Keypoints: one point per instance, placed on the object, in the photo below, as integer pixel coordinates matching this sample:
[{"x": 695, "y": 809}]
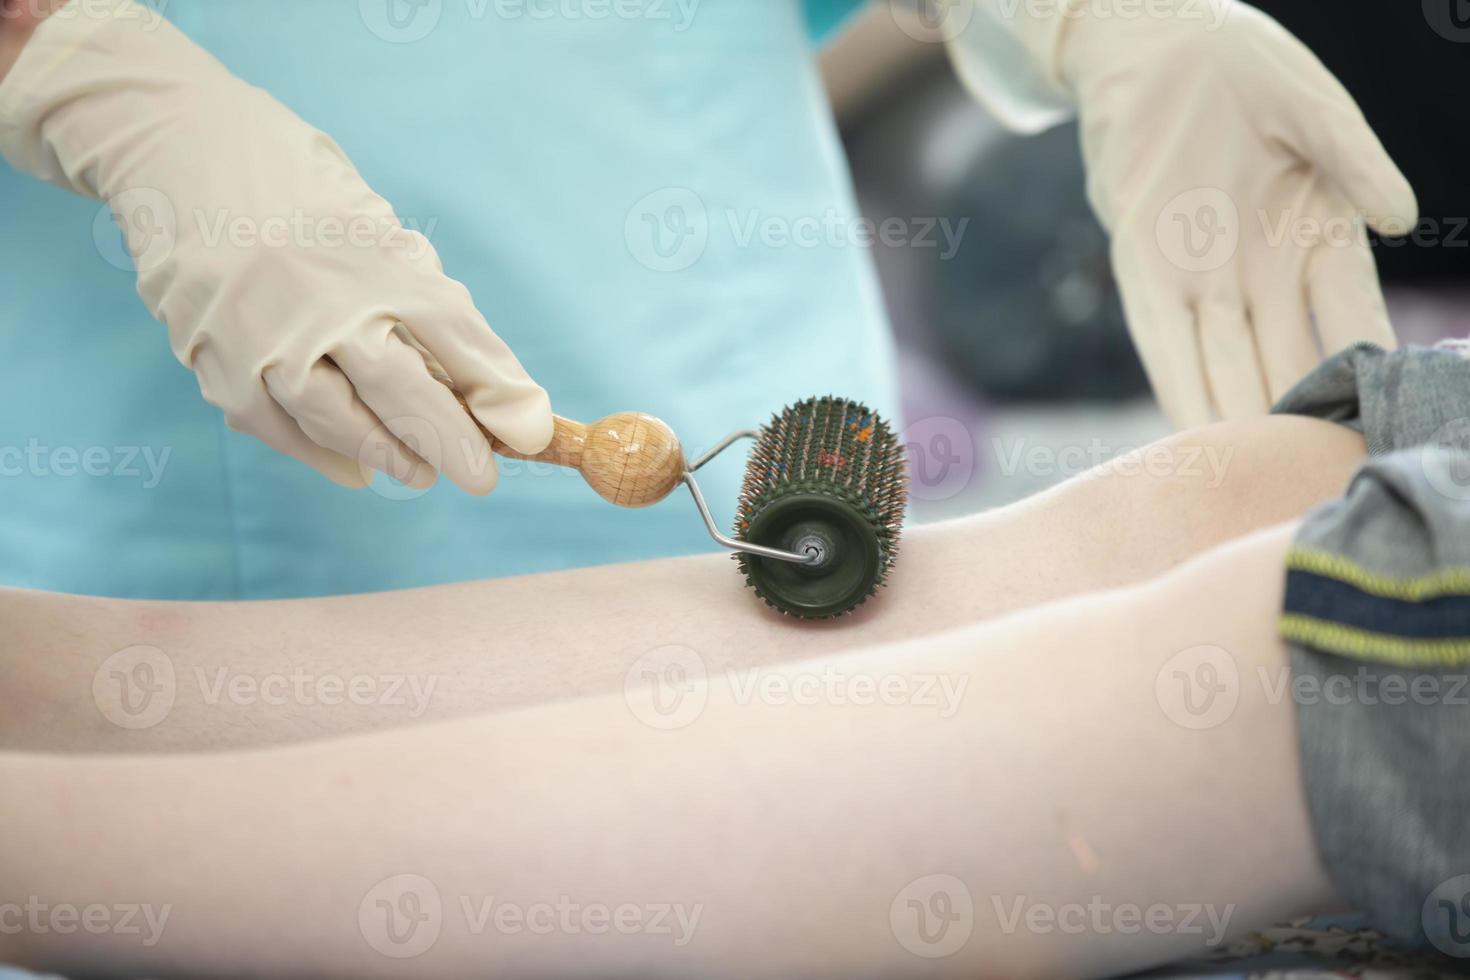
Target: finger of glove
[
  {"x": 1284, "y": 334},
  {"x": 257, "y": 414},
  {"x": 1346, "y": 298},
  {"x": 1232, "y": 363},
  {"x": 1164, "y": 332},
  {"x": 328, "y": 411},
  {"x": 270, "y": 423},
  {"x": 1332, "y": 133},
  {"x": 392, "y": 380},
  {"x": 502, "y": 396}
]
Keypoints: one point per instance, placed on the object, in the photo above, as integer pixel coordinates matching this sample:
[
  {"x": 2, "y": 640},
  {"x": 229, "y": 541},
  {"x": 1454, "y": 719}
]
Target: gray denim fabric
[
  {"x": 1386, "y": 745},
  {"x": 1397, "y": 399}
]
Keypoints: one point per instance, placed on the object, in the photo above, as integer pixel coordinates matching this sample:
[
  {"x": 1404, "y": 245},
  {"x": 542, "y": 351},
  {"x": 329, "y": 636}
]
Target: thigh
[{"x": 1128, "y": 520}]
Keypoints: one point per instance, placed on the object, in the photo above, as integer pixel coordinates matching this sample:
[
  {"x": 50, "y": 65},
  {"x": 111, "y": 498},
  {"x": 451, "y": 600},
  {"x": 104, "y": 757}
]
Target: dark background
[{"x": 1407, "y": 62}]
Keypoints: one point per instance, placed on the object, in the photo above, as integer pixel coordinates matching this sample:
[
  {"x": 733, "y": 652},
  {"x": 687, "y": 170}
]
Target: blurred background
[{"x": 1017, "y": 368}]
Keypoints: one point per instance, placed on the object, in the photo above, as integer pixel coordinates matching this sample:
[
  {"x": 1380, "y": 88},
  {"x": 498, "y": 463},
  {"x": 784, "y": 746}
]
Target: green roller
[{"x": 827, "y": 478}]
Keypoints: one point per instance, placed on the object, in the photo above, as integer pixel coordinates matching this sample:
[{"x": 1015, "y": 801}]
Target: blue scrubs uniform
[
  {"x": 824, "y": 17},
  {"x": 652, "y": 210}
]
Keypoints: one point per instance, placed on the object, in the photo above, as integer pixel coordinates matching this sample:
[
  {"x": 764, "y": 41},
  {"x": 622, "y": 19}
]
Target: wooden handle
[{"x": 630, "y": 459}]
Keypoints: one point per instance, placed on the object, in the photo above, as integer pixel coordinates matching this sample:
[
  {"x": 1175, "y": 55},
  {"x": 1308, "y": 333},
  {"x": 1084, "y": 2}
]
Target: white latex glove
[
  {"x": 1234, "y": 173},
  {"x": 306, "y": 310}
]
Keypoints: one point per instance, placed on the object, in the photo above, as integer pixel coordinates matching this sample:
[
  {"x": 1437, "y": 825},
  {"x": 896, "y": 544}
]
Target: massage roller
[{"x": 820, "y": 512}]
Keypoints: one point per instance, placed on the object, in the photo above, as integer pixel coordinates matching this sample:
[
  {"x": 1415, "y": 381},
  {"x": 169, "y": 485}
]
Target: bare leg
[
  {"x": 781, "y": 839},
  {"x": 236, "y": 675}
]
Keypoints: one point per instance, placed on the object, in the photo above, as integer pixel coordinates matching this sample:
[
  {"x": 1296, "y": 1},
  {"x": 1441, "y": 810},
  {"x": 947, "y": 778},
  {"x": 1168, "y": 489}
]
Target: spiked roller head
[{"x": 827, "y": 478}]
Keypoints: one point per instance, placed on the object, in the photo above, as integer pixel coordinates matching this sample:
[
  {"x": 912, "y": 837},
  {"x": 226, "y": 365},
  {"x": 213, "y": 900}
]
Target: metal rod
[
  {"x": 732, "y": 543},
  {"x": 723, "y": 445}
]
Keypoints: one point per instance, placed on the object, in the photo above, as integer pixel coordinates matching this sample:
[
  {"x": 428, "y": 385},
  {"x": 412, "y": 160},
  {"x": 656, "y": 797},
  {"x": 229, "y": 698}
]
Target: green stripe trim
[
  {"x": 1382, "y": 647},
  {"x": 1453, "y": 581}
]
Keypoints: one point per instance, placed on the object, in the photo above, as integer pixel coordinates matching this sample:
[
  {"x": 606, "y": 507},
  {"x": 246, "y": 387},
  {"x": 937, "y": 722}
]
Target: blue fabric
[
  {"x": 541, "y": 155},
  {"x": 1330, "y": 600},
  {"x": 825, "y": 16}
]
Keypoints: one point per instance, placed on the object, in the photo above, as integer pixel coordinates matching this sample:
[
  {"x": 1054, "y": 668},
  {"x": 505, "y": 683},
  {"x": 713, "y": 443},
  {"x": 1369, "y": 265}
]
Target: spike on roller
[{"x": 828, "y": 478}]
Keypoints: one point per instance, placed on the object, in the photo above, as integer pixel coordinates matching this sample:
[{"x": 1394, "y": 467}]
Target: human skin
[
  {"x": 1039, "y": 759},
  {"x": 251, "y": 674},
  {"x": 1062, "y": 778}
]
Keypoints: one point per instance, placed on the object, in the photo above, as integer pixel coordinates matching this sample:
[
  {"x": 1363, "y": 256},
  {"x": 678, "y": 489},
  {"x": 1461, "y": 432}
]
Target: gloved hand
[
  {"x": 306, "y": 310},
  {"x": 1234, "y": 173}
]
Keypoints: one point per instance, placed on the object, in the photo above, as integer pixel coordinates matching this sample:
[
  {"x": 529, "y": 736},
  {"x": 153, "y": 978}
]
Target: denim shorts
[{"x": 1377, "y": 616}]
